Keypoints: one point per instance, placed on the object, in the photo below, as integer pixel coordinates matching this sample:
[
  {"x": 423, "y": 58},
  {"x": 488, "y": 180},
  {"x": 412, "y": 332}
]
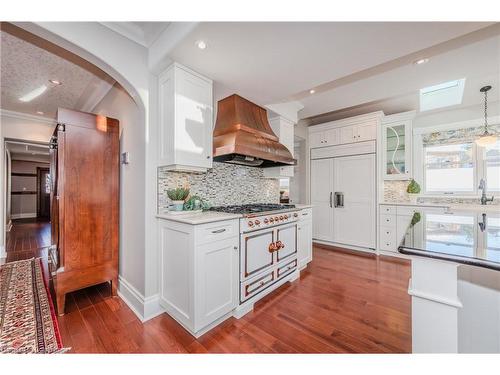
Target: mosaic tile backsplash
[
  {"x": 224, "y": 184},
  {"x": 395, "y": 191}
]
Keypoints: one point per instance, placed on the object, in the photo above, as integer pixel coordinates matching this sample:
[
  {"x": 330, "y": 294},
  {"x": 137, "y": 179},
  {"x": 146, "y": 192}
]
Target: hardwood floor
[
  {"x": 27, "y": 238},
  {"x": 343, "y": 303}
]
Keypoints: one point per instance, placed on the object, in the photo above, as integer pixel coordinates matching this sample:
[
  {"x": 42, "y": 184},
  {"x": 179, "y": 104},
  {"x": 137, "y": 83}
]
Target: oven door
[
  {"x": 286, "y": 235},
  {"x": 255, "y": 256}
]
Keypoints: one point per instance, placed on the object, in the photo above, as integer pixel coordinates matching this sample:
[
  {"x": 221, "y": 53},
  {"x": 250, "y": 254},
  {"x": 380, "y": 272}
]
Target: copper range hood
[{"x": 242, "y": 135}]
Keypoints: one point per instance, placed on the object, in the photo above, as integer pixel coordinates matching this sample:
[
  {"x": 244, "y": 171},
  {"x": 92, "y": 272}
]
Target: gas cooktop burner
[{"x": 247, "y": 209}]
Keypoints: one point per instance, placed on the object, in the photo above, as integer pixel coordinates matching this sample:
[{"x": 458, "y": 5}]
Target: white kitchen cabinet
[
  {"x": 328, "y": 137},
  {"x": 304, "y": 238},
  {"x": 343, "y": 194},
  {"x": 284, "y": 130},
  {"x": 199, "y": 278},
  {"x": 186, "y": 119},
  {"x": 322, "y": 198},
  {"x": 350, "y": 130},
  {"x": 397, "y": 146},
  {"x": 358, "y": 133}
]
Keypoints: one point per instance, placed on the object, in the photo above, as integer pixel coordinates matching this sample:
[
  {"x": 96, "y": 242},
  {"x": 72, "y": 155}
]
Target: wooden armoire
[{"x": 85, "y": 192}]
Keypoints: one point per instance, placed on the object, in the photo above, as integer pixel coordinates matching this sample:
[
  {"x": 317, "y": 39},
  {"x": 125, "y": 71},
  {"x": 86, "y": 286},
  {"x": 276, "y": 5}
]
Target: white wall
[
  {"x": 118, "y": 104},
  {"x": 19, "y": 126}
]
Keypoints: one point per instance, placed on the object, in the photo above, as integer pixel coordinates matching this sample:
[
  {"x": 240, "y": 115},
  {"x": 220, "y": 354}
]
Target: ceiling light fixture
[
  {"x": 312, "y": 91},
  {"x": 487, "y": 138},
  {"x": 55, "y": 82},
  {"x": 421, "y": 61},
  {"x": 201, "y": 44},
  {"x": 33, "y": 94}
]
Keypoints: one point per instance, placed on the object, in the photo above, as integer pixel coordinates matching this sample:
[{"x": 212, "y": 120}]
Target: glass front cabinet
[{"x": 396, "y": 148}]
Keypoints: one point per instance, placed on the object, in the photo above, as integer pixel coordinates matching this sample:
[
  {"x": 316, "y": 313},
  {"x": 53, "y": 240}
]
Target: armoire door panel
[{"x": 354, "y": 220}]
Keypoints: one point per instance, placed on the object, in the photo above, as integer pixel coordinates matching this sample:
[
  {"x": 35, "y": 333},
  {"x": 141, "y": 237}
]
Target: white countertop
[
  {"x": 198, "y": 218},
  {"x": 450, "y": 206},
  {"x": 302, "y": 206}
]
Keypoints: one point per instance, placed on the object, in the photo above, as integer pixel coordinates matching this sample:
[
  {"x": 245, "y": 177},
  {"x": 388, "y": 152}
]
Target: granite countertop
[
  {"x": 468, "y": 237},
  {"x": 199, "y": 217}
]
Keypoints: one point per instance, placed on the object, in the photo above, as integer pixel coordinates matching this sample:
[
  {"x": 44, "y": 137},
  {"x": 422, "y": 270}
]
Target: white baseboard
[
  {"x": 23, "y": 216},
  {"x": 344, "y": 246},
  {"x": 145, "y": 308}
]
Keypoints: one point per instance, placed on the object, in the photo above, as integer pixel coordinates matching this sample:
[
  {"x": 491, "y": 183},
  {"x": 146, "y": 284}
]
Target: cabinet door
[
  {"x": 366, "y": 132},
  {"x": 332, "y": 137},
  {"x": 347, "y": 134},
  {"x": 321, "y": 198},
  {"x": 316, "y": 140},
  {"x": 396, "y": 153},
  {"x": 217, "y": 280},
  {"x": 304, "y": 242},
  {"x": 193, "y": 120},
  {"x": 354, "y": 216}
]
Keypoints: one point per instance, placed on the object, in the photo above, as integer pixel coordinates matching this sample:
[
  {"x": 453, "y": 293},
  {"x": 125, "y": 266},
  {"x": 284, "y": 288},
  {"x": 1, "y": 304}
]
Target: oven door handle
[{"x": 331, "y": 199}]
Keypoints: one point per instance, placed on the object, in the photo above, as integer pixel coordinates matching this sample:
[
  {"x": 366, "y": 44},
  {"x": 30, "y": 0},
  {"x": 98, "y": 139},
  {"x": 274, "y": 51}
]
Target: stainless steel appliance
[{"x": 268, "y": 245}]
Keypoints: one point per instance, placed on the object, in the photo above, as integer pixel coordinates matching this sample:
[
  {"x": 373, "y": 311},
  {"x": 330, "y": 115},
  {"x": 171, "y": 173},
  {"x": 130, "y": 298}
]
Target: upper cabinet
[
  {"x": 396, "y": 146},
  {"x": 351, "y": 130},
  {"x": 284, "y": 130},
  {"x": 186, "y": 119}
]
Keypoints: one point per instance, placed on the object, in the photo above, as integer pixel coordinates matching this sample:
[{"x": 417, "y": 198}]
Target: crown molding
[{"x": 26, "y": 116}]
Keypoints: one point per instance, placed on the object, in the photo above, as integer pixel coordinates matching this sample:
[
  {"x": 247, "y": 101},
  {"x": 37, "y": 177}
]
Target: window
[
  {"x": 449, "y": 168},
  {"x": 492, "y": 166},
  {"x": 457, "y": 168}
]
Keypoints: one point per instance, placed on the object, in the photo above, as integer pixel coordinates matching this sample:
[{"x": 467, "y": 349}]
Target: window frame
[{"x": 479, "y": 171}]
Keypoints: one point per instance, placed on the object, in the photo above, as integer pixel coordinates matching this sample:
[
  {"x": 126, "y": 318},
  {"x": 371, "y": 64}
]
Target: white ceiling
[
  {"x": 397, "y": 90},
  {"x": 143, "y": 33},
  {"x": 28, "y": 151},
  {"x": 25, "y": 66},
  {"x": 277, "y": 62}
]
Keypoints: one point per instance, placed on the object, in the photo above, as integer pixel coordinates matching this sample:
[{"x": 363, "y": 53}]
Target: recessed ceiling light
[
  {"x": 201, "y": 44},
  {"x": 33, "y": 94},
  {"x": 421, "y": 61},
  {"x": 39, "y": 112},
  {"x": 312, "y": 91},
  {"x": 55, "y": 82}
]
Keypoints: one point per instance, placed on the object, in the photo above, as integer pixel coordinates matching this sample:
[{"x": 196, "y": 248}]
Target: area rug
[{"x": 28, "y": 323}]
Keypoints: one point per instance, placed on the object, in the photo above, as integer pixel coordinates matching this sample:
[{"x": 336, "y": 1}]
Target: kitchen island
[{"x": 455, "y": 283}]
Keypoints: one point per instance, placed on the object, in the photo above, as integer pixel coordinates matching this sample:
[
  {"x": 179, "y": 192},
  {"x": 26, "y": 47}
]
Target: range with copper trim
[{"x": 268, "y": 245}]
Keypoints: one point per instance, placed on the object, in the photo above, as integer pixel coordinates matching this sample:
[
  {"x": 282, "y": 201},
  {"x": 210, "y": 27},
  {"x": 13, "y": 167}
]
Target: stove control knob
[
  {"x": 281, "y": 217},
  {"x": 266, "y": 221},
  {"x": 276, "y": 218},
  {"x": 286, "y": 217},
  {"x": 295, "y": 215},
  {"x": 250, "y": 223},
  {"x": 271, "y": 219},
  {"x": 257, "y": 222}
]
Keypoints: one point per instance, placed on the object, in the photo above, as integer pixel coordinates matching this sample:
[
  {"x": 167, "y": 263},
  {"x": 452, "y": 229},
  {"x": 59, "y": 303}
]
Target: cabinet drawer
[
  {"x": 217, "y": 231},
  {"x": 388, "y": 246},
  {"x": 305, "y": 214},
  {"x": 388, "y": 220},
  {"x": 388, "y": 236},
  {"x": 286, "y": 268},
  {"x": 387, "y": 210},
  {"x": 406, "y": 210},
  {"x": 255, "y": 285}
]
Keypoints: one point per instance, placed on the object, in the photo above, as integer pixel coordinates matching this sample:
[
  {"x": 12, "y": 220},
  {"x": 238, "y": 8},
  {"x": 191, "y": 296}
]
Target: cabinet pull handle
[
  {"x": 331, "y": 199},
  {"x": 235, "y": 248},
  {"x": 219, "y": 230}
]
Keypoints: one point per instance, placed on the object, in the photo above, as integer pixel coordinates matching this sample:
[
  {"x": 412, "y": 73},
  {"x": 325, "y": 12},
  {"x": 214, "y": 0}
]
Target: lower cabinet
[
  {"x": 304, "y": 238},
  {"x": 199, "y": 274}
]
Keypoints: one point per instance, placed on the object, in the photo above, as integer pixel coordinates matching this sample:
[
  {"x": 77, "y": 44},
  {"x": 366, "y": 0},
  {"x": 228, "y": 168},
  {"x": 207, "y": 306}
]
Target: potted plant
[
  {"x": 413, "y": 190},
  {"x": 178, "y": 195}
]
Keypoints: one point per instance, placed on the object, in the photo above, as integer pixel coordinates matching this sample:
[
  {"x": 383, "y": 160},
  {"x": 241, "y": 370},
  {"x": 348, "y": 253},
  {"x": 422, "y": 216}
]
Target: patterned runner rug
[{"x": 28, "y": 322}]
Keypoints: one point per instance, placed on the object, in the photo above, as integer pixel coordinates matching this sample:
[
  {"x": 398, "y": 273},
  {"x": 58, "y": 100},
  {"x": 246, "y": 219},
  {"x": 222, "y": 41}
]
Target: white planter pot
[{"x": 177, "y": 205}]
